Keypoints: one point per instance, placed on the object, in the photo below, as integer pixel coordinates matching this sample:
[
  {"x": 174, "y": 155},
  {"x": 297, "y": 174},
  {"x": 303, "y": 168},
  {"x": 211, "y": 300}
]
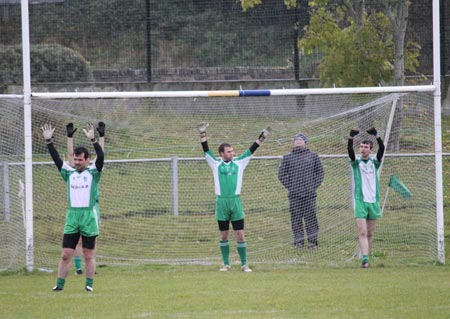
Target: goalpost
[{"x": 157, "y": 197}]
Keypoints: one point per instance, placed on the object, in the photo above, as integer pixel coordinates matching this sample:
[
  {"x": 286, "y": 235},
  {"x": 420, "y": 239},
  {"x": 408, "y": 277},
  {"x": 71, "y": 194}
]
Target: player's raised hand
[
  {"x": 89, "y": 131},
  {"x": 47, "y": 131},
  {"x": 70, "y": 129},
  {"x": 101, "y": 129},
  {"x": 372, "y": 131},
  {"x": 202, "y": 127},
  {"x": 354, "y": 132},
  {"x": 265, "y": 133}
]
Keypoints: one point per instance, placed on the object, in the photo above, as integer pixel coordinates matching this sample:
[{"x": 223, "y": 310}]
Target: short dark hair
[
  {"x": 368, "y": 142},
  {"x": 222, "y": 147},
  {"x": 82, "y": 150}
]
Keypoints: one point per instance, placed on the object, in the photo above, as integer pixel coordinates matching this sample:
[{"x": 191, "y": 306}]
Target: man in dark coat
[{"x": 301, "y": 172}]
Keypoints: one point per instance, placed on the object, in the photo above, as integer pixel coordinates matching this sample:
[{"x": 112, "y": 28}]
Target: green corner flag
[{"x": 399, "y": 187}]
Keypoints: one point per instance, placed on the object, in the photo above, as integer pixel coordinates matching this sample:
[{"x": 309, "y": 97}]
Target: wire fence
[{"x": 176, "y": 40}]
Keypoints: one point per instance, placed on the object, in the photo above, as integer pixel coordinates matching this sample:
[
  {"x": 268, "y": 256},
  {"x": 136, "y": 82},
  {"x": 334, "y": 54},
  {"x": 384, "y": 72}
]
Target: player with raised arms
[
  {"x": 366, "y": 195},
  {"x": 228, "y": 173},
  {"x": 70, "y": 129},
  {"x": 82, "y": 218}
]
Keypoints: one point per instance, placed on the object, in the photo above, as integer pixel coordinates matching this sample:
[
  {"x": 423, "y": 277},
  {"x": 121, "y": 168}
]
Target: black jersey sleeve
[
  {"x": 100, "y": 156},
  {"x": 381, "y": 148},
  {"x": 55, "y": 156},
  {"x": 253, "y": 147},
  {"x": 351, "y": 151},
  {"x": 205, "y": 146}
]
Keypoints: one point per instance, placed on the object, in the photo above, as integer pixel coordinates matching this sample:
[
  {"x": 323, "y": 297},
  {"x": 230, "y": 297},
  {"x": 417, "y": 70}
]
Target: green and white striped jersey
[
  {"x": 228, "y": 176},
  {"x": 365, "y": 177},
  {"x": 82, "y": 187}
]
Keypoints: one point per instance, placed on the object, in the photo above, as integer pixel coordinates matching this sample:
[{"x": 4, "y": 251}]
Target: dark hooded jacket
[{"x": 301, "y": 172}]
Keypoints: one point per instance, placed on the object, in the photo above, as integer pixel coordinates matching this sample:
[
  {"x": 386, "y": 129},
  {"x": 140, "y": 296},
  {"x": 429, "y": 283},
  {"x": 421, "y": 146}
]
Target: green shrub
[
  {"x": 49, "y": 63},
  {"x": 10, "y": 64}
]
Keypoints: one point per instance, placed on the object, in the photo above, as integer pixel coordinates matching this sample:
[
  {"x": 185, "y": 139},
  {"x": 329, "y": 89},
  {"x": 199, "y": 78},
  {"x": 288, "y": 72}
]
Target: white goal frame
[{"x": 28, "y": 96}]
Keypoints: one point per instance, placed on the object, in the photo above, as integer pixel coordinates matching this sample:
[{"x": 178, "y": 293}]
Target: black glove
[
  {"x": 354, "y": 132},
  {"x": 372, "y": 131},
  {"x": 265, "y": 133},
  {"x": 70, "y": 129},
  {"x": 101, "y": 129}
]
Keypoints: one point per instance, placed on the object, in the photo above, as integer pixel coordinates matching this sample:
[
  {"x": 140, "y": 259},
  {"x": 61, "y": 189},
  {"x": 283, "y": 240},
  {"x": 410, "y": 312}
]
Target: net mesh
[
  {"x": 157, "y": 198},
  {"x": 12, "y": 219}
]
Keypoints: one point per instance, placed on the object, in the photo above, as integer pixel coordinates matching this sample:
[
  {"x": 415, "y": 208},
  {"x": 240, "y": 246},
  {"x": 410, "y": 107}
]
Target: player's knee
[
  {"x": 363, "y": 233},
  {"x": 67, "y": 254},
  {"x": 224, "y": 234},
  {"x": 88, "y": 254},
  {"x": 240, "y": 235}
]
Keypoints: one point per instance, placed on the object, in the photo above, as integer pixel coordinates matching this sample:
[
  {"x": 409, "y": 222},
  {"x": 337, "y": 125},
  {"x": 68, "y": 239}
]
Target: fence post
[
  {"x": 149, "y": 40},
  {"x": 6, "y": 202},
  {"x": 175, "y": 185}
]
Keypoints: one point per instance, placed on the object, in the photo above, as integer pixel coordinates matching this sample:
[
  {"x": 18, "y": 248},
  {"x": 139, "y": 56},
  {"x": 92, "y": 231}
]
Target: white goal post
[
  {"x": 135, "y": 198},
  {"x": 157, "y": 200}
]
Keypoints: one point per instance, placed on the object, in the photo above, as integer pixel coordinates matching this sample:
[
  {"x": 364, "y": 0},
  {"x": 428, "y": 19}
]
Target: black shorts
[
  {"x": 71, "y": 241},
  {"x": 225, "y": 224}
]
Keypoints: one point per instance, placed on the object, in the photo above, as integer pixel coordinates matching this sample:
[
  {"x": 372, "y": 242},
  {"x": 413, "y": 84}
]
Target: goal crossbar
[{"x": 232, "y": 93}]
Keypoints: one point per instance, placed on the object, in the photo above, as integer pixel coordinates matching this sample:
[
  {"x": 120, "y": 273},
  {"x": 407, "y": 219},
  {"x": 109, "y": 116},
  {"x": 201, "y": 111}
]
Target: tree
[
  {"x": 247, "y": 4},
  {"x": 397, "y": 12},
  {"x": 362, "y": 45}
]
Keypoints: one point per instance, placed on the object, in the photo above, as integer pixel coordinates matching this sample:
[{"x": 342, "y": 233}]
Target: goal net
[{"x": 157, "y": 200}]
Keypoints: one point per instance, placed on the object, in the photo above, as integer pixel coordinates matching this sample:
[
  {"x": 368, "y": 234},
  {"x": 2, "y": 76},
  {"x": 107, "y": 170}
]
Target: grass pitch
[
  {"x": 204, "y": 292},
  {"x": 275, "y": 291}
]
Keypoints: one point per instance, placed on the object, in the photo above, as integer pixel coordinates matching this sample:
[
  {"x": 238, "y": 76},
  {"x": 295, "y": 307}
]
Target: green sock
[
  {"x": 77, "y": 262},
  {"x": 365, "y": 259},
  {"x": 90, "y": 282},
  {"x": 225, "y": 250},
  {"x": 60, "y": 282},
  {"x": 242, "y": 251}
]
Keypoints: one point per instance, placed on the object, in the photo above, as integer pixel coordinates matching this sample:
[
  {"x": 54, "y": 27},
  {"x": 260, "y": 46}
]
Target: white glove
[
  {"x": 202, "y": 127},
  {"x": 89, "y": 131},
  {"x": 47, "y": 131},
  {"x": 265, "y": 133}
]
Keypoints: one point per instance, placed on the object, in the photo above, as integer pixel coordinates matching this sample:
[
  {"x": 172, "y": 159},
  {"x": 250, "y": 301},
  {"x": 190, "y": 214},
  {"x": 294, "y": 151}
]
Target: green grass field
[
  {"x": 203, "y": 292},
  {"x": 387, "y": 290}
]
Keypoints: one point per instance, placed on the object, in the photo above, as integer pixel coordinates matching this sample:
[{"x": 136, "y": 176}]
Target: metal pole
[
  {"x": 175, "y": 185},
  {"x": 388, "y": 133},
  {"x": 438, "y": 133},
  {"x": 6, "y": 202},
  {"x": 296, "y": 35},
  {"x": 149, "y": 45},
  {"x": 27, "y": 136}
]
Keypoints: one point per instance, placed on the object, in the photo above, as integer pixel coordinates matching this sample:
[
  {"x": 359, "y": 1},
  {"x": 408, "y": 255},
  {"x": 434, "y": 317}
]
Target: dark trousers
[{"x": 304, "y": 210}]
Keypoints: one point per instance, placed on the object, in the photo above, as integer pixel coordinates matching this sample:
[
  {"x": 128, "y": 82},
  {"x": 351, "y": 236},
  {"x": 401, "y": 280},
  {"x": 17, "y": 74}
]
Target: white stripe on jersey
[{"x": 368, "y": 181}]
